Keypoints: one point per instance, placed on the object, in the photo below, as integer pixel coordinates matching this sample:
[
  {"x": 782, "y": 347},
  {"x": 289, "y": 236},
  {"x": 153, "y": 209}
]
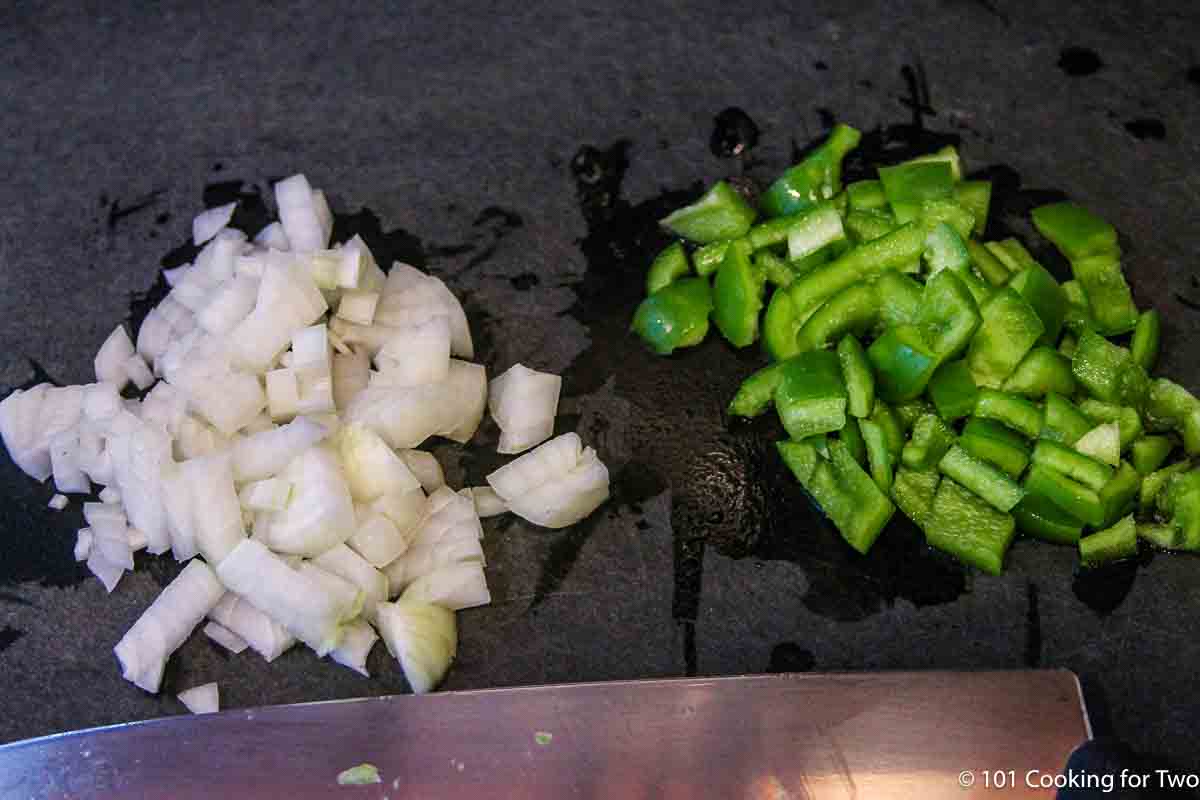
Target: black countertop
[{"x": 524, "y": 156}]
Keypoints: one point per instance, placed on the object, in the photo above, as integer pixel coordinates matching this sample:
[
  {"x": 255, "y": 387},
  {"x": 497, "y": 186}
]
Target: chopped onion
[
  {"x": 165, "y": 405},
  {"x": 372, "y": 468},
  {"x": 357, "y": 641},
  {"x": 347, "y": 564},
  {"x": 111, "y": 358},
  {"x": 216, "y": 514},
  {"x": 287, "y": 301},
  {"x": 358, "y": 307},
  {"x": 377, "y": 539},
  {"x": 58, "y": 502},
  {"x": 209, "y": 223},
  {"x": 83, "y": 544},
  {"x": 273, "y": 237},
  {"x": 423, "y": 637},
  {"x": 299, "y": 215},
  {"x": 569, "y": 498},
  {"x": 304, "y": 607},
  {"x": 268, "y": 453},
  {"x": 65, "y": 463},
  {"x": 266, "y": 495},
  {"x": 349, "y": 598},
  {"x": 110, "y": 495},
  {"x": 449, "y": 535},
  {"x": 426, "y": 468},
  {"x": 546, "y": 463},
  {"x": 108, "y": 572},
  {"x": 417, "y": 354},
  {"x": 204, "y": 699},
  {"x": 264, "y": 635},
  {"x": 524, "y": 403},
  {"x": 487, "y": 502},
  {"x": 456, "y": 587},
  {"x": 196, "y": 439},
  {"x": 141, "y": 453},
  {"x": 231, "y": 304},
  {"x": 225, "y": 637},
  {"x": 138, "y": 372},
  {"x": 351, "y": 372},
  {"x": 320, "y": 513},
  {"x": 183, "y": 604}
]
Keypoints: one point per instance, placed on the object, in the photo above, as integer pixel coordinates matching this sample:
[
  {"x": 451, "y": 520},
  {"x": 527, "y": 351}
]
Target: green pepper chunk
[
  {"x": 935, "y": 213},
  {"x": 1071, "y": 496},
  {"x": 976, "y": 197},
  {"x": 1108, "y": 371},
  {"x": 1125, "y": 417},
  {"x": 910, "y": 411},
  {"x": 899, "y": 299},
  {"x": 1118, "y": 495},
  {"x": 1043, "y": 520},
  {"x": 866, "y": 195},
  {"x": 675, "y": 316},
  {"x": 1042, "y": 371},
  {"x": 948, "y": 316},
  {"x": 879, "y": 457},
  {"x": 969, "y": 529},
  {"x": 1145, "y": 339},
  {"x": 983, "y": 479},
  {"x": 931, "y": 438},
  {"x": 909, "y": 185},
  {"x": 1067, "y": 345},
  {"x": 721, "y": 213},
  {"x": 1153, "y": 483},
  {"x": 991, "y": 268},
  {"x": 866, "y": 226},
  {"x": 757, "y": 393},
  {"x": 1162, "y": 536},
  {"x": 991, "y": 442},
  {"x": 1064, "y": 421},
  {"x": 853, "y": 310},
  {"x": 1109, "y": 299},
  {"x": 737, "y": 295},
  {"x": 813, "y": 231},
  {"x": 1075, "y": 231},
  {"x": 1075, "y": 465},
  {"x": 851, "y": 436},
  {"x": 1168, "y": 404},
  {"x": 774, "y": 268},
  {"x": 669, "y": 265},
  {"x": 1102, "y": 443},
  {"x": 818, "y": 177},
  {"x": 1015, "y": 412},
  {"x": 1046, "y": 296},
  {"x": 707, "y": 259},
  {"x": 1009, "y": 330},
  {"x": 886, "y": 418},
  {"x": 860, "y": 381},
  {"x": 800, "y": 457},
  {"x": 953, "y": 390},
  {"x": 1012, "y": 254},
  {"x": 811, "y": 396},
  {"x": 913, "y": 492},
  {"x": 1111, "y": 544},
  {"x": 947, "y": 155},
  {"x": 945, "y": 249},
  {"x": 903, "y": 363},
  {"x": 780, "y": 326},
  {"x": 1078, "y": 316},
  {"x": 1150, "y": 452}
]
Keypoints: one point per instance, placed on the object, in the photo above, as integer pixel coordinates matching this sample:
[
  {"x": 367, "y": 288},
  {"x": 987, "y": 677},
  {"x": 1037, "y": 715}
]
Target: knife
[{"x": 875, "y": 735}]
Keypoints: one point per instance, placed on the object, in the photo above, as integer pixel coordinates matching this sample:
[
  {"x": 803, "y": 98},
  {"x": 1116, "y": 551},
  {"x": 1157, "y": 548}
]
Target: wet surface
[
  {"x": 1146, "y": 128},
  {"x": 1079, "y": 62},
  {"x": 733, "y": 133}
]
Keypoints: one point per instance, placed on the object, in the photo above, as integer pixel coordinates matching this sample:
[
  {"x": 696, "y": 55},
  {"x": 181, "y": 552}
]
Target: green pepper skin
[
  {"x": 675, "y": 316},
  {"x": 953, "y": 390},
  {"x": 948, "y": 317},
  {"x": 854, "y": 310},
  {"x": 738, "y": 295},
  {"x": 1075, "y": 231},
  {"x": 1042, "y": 371},
  {"x": 969, "y": 529},
  {"x": 1043, "y": 520},
  {"x": 669, "y": 265},
  {"x": 1045, "y": 296},
  {"x": 1009, "y": 330},
  {"x": 902, "y": 362},
  {"x": 1112, "y": 544},
  {"x": 1145, "y": 339},
  {"x": 811, "y": 396},
  {"x": 721, "y": 213},
  {"x": 818, "y": 177},
  {"x": 860, "y": 381}
]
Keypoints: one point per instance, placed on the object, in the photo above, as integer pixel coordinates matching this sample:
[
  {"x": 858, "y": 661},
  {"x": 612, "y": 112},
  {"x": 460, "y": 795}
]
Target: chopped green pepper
[
  {"x": 1102, "y": 443},
  {"x": 670, "y": 264},
  {"x": 945, "y": 249},
  {"x": 995, "y": 444},
  {"x": 1101, "y": 366},
  {"x": 976, "y": 197},
  {"x": 1111, "y": 544},
  {"x": 1067, "y": 345},
  {"x": 1150, "y": 452},
  {"x": 801, "y": 458},
  {"x": 930, "y": 440},
  {"x": 1078, "y": 317},
  {"x": 815, "y": 230},
  {"x": 856, "y": 371},
  {"x": 909, "y": 185},
  {"x": 866, "y": 226},
  {"x": 913, "y": 493},
  {"x": 1168, "y": 404},
  {"x": 780, "y": 327},
  {"x": 866, "y": 195},
  {"x": 818, "y": 177},
  {"x": 1109, "y": 298},
  {"x": 853, "y": 310},
  {"x": 1118, "y": 495},
  {"x": 903, "y": 363},
  {"x": 1009, "y": 330},
  {"x": 948, "y": 155},
  {"x": 1042, "y": 371},
  {"x": 1153, "y": 483},
  {"x": 948, "y": 316},
  {"x": 953, "y": 390},
  {"x": 1126, "y": 418},
  {"x": 721, "y": 213},
  {"x": 737, "y": 295},
  {"x": 1164, "y": 537},
  {"x": 1015, "y": 412},
  {"x": 991, "y": 268},
  {"x": 1145, "y": 339},
  {"x": 1046, "y": 296},
  {"x": 886, "y": 418},
  {"x": 757, "y": 392},
  {"x": 774, "y": 268},
  {"x": 981, "y": 478},
  {"x": 935, "y": 213},
  {"x": 878, "y": 456},
  {"x": 1071, "y": 496},
  {"x": 969, "y": 529},
  {"x": 910, "y": 411},
  {"x": 899, "y": 299},
  {"x": 1076, "y": 466},
  {"x": 1064, "y": 421},
  {"x": 1038, "y": 517},
  {"x": 1012, "y": 254},
  {"x": 674, "y": 316},
  {"x": 707, "y": 259},
  {"x": 851, "y": 436},
  {"x": 811, "y": 397},
  {"x": 1074, "y": 230}
]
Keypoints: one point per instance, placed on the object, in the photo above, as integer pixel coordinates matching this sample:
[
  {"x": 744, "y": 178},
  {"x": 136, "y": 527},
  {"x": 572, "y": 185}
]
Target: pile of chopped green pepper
[{"x": 915, "y": 365}]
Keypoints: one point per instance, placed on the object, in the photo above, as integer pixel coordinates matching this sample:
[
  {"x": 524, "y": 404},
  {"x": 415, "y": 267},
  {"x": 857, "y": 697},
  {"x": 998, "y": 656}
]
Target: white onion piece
[
  {"x": 65, "y": 464},
  {"x": 457, "y": 545},
  {"x": 546, "y": 463},
  {"x": 183, "y": 604},
  {"x": 377, "y": 539},
  {"x": 18, "y": 426},
  {"x": 305, "y": 608},
  {"x": 208, "y": 223},
  {"x": 299, "y": 215},
  {"x": 136, "y": 538},
  {"x": 260, "y": 424},
  {"x": 229, "y": 401},
  {"x": 108, "y": 572},
  {"x": 83, "y": 544},
  {"x": 347, "y": 564},
  {"x": 417, "y": 354},
  {"x": 410, "y": 297},
  {"x": 181, "y": 526},
  {"x": 216, "y": 514},
  {"x": 266, "y": 454},
  {"x": 371, "y": 467},
  {"x": 324, "y": 214},
  {"x": 423, "y": 637},
  {"x": 370, "y": 277},
  {"x": 225, "y": 637},
  {"x": 205, "y": 699},
  {"x": 524, "y": 403},
  {"x": 219, "y": 259},
  {"x": 310, "y": 347},
  {"x": 154, "y": 335},
  {"x": 196, "y": 439},
  {"x": 404, "y": 417},
  {"x": 567, "y": 499},
  {"x": 466, "y": 385},
  {"x": 320, "y": 513},
  {"x": 264, "y": 635},
  {"x": 454, "y": 587},
  {"x": 287, "y": 301},
  {"x": 231, "y": 304},
  {"x": 58, "y": 502},
  {"x": 141, "y": 453},
  {"x": 110, "y": 495},
  {"x": 101, "y": 401},
  {"x": 138, "y": 372},
  {"x": 357, "y": 641},
  {"x": 283, "y": 394},
  {"x": 370, "y": 338},
  {"x": 351, "y": 371},
  {"x": 174, "y": 275},
  {"x": 110, "y": 359},
  {"x": 273, "y": 237},
  {"x": 358, "y": 307},
  {"x": 266, "y": 495},
  {"x": 487, "y": 502},
  {"x": 166, "y": 406},
  {"x": 349, "y": 598},
  {"x": 426, "y": 468}
]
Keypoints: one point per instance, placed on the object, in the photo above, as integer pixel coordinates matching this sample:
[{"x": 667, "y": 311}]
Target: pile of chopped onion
[{"x": 288, "y": 385}]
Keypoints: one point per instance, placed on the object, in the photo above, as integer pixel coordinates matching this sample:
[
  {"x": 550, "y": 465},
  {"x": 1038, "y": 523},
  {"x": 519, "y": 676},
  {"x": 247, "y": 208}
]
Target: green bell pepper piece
[
  {"x": 1150, "y": 452},
  {"x": 910, "y": 411},
  {"x": 980, "y": 289},
  {"x": 674, "y": 316},
  {"x": 991, "y": 268},
  {"x": 908, "y": 186},
  {"x": 1111, "y": 544},
  {"x": 865, "y": 196},
  {"x": 1043, "y": 520},
  {"x": 1071, "y": 496},
  {"x": 994, "y": 444},
  {"x": 1009, "y": 330},
  {"x": 757, "y": 393},
  {"x": 1118, "y": 495},
  {"x": 1145, "y": 339},
  {"x": 953, "y": 390},
  {"x": 879, "y": 457},
  {"x": 1075, "y": 231},
  {"x": 1064, "y": 421},
  {"x": 1102, "y": 443},
  {"x": 866, "y": 226},
  {"x": 851, "y": 436},
  {"x": 780, "y": 327},
  {"x": 1075, "y": 465},
  {"x": 814, "y": 230},
  {"x": 931, "y": 438},
  {"x": 1187, "y": 519},
  {"x": 774, "y": 268},
  {"x": 969, "y": 529},
  {"x": 976, "y": 197},
  {"x": 1046, "y": 296},
  {"x": 1098, "y": 365},
  {"x": 853, "y": 310},
  {"x": 1125, "y": 417},
  {"x": 1078, "y": 316},
  {"x": 948, "y": 315},
  {"x": 818, "y": 177},
  {"x": 1153, "y": 483},
  {"x": 948, "y": 155},
  {"x": 1168, "y": 404},
  {"x": 811, "y": 396},
  {"x": 981, "y": 478},
  {"x": 913, "y": 493},
  {"x": 935, "y": 213},
  {"x": 1015, "y": 412},
  {"x": 886, "y": 418},
  {"x": 721, "y": 213},
  {"x": 670, "y": 264},
  {"x": 1109, "y": 299},
  {"x": 738, "y": 295},
  {"x": 801, "y": 458},
  {"x": 1067, "y": 345},
  {"x": 903, "y": 363},
  {"x": 1162, "y": 536},
  {"x": 1012, "y": 254},
  {"x": 1042, "y": 371},
  {"x": 707, "y": 259},
  {"x": 899, "y": 299},
  {"x": 860, "y": 381},
  {"x": 1176, "y": 487},
  {"x": 945, "y": 249}
]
